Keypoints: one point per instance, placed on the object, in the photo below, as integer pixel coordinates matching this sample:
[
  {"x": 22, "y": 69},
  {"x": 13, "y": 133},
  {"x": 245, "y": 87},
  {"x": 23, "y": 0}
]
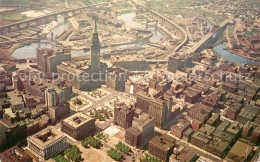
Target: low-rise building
[
  {"x": 211, "y": 144},
  {"x": 78, "y": 126},
  {"x": 235, "y": 128},
  {"x": 187, "y": 154},
  {"x": 47, "y": 143},
  {"x": 251, "y": 132},
  {"x": 161, "y": 147},
  {"x": 179, "y": 128},
  {"x": 15, "y": 154},
  {"x": 200, "y": 112},
  {"x": 240, "y": 152},
  {"x": 229, "y": 87},
  {"x": 191, "y": 96},
  {"x": 215, "y": 118},
  {"x": 130, "y": 62}
]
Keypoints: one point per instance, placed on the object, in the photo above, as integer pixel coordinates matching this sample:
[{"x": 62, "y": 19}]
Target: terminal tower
[{"x": 95, "y": 52}]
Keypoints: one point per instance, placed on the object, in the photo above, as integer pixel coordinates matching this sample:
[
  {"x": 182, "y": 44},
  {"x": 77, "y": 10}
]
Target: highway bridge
[
  {"x": 42, "y": 19},
  {"x": 210, "y": 38}
]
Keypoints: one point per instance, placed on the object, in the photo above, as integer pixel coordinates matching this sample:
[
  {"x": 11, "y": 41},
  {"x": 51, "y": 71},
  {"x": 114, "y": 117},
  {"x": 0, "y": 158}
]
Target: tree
[
  {"x": 148, "y": 157},
  {"x": 60, "y": 158},
  {"x": 73, "y": 153},
  {"x": 114, "y": 154},
  {"x": 123, "y": 148},
  {"x": 92, "y": 141}
]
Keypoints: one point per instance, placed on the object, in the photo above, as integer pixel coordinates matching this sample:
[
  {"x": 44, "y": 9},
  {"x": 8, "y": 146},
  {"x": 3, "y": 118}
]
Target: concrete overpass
[
  {"x": 166, "y": 21},
  {"x": 42, "y": 19},
  {"x": 209, "y": 39}
]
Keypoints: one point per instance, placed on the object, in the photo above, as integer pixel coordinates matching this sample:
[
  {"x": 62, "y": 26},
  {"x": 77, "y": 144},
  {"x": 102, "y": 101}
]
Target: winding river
[
  {"x": 29, "y": 51},
  {"x": 222, "y": 51}
]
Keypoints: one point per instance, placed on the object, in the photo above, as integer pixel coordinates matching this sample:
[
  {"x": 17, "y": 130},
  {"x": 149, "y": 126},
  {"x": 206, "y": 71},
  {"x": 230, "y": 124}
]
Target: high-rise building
[
  {"x": 116, "y": 78},
  {"x": 50, "y": 97},
  {"x": 95, "y": 53},
  {"x": 48, "y": 59},
  {"x": 160, "y": 108}
]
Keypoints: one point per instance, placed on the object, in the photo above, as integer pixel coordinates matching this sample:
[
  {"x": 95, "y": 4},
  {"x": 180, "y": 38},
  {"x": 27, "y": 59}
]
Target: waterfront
[
  {"x": 222, "y": 51},
  {"x": 29, "y": 51}
]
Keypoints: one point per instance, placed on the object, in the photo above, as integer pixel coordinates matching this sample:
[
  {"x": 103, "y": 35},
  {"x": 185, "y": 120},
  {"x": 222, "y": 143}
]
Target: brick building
[
  {"x": 191, "y": 96},
  {"x": 248, "y": 113},
  {"x": 143, "y": 130},
  {"x": 211, "y": 144},
  {"x": 200, "y": 112},
  {"x": 251, "y": 132},
  {"x": 142, "y": 101},
  {"x": 179, "y": 128},
  {"x": 133, "y": 136},
  {"x": 123, "y": 115},
  {"x": 15, "y": 154},
  {"x": 161, "y": 147},
  {"x": 233, "y": 110},
  {"x": 229, "y": 87}
]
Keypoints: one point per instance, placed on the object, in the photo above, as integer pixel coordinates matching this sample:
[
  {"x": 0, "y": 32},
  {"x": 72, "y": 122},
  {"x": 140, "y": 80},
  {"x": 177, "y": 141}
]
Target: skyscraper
[{"x": 95, "y": 53}]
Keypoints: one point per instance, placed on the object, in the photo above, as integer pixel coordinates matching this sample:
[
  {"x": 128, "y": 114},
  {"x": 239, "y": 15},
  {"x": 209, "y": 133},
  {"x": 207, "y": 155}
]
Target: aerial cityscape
[{"x": 130, "y": 80}]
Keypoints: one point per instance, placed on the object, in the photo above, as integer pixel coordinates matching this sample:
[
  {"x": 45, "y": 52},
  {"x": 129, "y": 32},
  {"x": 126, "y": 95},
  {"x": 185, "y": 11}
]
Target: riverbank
[
  {"x": 223, "y": 52},
  {"x": 242, "y": 54}
]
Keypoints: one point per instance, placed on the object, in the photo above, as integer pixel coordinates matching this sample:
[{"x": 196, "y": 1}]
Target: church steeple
[{"x": 95, "y": 52}]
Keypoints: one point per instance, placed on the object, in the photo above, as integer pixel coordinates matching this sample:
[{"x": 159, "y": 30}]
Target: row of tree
[
  {"x": 123, "y": 148},
  {"x": 114, "y": 154},
  {"x": 61, "y": 158},
  {"x": 92, "y": 141},
  {"x": 73, "y": 153}
]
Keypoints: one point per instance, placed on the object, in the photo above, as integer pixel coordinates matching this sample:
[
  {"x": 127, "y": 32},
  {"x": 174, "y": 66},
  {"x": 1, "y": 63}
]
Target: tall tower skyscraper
[{"x": 95, "y": 52}]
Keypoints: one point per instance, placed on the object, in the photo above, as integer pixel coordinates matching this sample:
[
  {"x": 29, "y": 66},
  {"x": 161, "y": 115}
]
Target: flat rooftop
[
  {"x": 77, "y": 120},
  {"x": 46, "y": 137},
  {"x": 127, "y": 58},
  {"x": 241, "y": 149},
  {"x": 164, "y": 142}
]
